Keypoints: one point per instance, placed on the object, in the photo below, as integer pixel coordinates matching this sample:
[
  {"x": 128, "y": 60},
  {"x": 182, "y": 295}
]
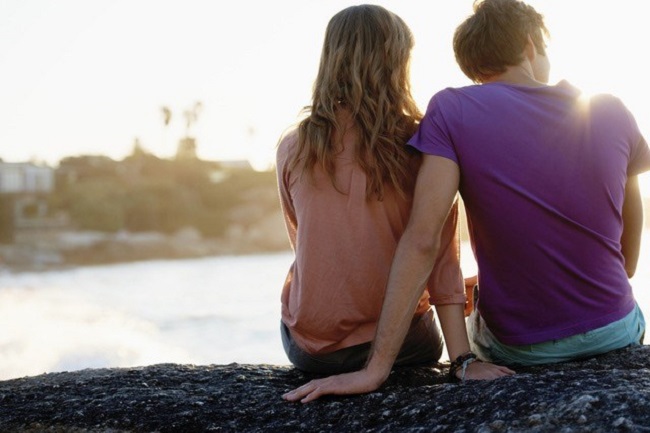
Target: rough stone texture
[{"x": 610, "y": 393}]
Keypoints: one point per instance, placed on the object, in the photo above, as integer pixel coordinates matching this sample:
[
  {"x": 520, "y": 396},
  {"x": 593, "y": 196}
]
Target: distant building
[
  {"x": 24, "y": 188},
  {"x": 23, "y": 177},
  {"x": 224, "y": 169},
  {"x": 236, "y": 164}
]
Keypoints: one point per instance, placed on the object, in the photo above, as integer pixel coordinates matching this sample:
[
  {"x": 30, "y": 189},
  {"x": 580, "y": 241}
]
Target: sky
[{"x": 90, "y": 76}]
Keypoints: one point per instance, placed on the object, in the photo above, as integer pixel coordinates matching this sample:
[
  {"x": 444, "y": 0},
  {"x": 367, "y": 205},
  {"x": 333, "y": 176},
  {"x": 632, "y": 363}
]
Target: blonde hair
[{"x": 364, "y": 67}]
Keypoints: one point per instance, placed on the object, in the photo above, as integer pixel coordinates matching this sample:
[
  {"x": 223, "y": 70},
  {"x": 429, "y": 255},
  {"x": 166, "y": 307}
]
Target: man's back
[{"x": 543, "y": 179}]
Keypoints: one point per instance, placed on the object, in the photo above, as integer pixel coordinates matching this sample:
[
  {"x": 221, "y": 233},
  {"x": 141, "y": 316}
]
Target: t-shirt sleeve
[
  {"x": 446, "y": 284},
  {"x": 639, "y": 158},
  {"x": 433, "y": 135},
  {"x": 639, "y": 152}
]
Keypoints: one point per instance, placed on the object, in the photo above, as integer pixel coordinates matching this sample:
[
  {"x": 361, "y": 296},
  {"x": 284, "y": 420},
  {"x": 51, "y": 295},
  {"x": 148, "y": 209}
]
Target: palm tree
[
  {"x": 167, "y": 118},
  {"x": 191, "y": 116},
  {"x": 166, "y": 114}
]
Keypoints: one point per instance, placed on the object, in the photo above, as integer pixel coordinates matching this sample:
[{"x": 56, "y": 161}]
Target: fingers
[
  {"x": 486, "y": 371},
  {"x": 311, "y": 391},
  {"x": 315, "y": 394},
  {"x": 350, "y": 383},
  {"x": 301, "y": 392}
]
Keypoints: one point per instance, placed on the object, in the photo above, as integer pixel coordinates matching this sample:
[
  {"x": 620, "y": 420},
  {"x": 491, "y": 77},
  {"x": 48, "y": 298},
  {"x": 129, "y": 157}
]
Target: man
[{"x": 549, "y": 181}]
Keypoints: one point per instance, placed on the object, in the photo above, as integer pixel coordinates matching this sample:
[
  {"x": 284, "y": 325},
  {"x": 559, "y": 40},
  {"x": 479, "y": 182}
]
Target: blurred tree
[
  {"x": 187, "y": 145},
  {"x": 6, "y": 219},
  {"x": 147, "y": 193},
  {"x": 90, "y": 166},
  {"x": 159, "y": 205},
  {"x": 166, "y": 113},
  {"x": 97, "y": 205},
  {"x": 138, "y": 151},
  {"x": 192, "y": 116}
]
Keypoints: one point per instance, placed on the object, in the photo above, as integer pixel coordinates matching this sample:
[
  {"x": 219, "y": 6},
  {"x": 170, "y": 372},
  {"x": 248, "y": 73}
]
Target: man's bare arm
[
  {"x": 632, "y": 225},
  {"x": 435, "y": 192}
]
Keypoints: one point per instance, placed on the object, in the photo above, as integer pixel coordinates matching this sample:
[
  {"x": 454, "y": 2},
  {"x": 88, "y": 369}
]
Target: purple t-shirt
[{"x": 543, "y": 176}]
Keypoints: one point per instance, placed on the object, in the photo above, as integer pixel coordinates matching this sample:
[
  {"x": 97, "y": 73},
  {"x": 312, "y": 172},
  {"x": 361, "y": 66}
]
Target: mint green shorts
[{"x": 622, "y": 333}]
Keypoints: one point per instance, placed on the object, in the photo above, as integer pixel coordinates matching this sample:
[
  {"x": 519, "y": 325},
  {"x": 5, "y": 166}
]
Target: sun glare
[
  {"x": 584, "y": 99},
  {"x": 596, "y": 61}
]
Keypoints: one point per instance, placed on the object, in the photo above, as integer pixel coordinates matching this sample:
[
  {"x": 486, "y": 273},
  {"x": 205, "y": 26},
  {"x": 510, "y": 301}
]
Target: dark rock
[{"x": 606, "y": 394}]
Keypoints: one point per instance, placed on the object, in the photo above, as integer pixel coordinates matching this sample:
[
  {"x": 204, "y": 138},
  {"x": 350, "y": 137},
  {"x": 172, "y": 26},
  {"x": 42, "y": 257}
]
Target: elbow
[
  {"x": 425, "y": 246},
  {"x": 630, "y": 262}
]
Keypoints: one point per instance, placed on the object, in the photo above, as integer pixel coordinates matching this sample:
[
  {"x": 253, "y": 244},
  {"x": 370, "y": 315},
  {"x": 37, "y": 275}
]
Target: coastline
[{"x": 47, "y": 250}]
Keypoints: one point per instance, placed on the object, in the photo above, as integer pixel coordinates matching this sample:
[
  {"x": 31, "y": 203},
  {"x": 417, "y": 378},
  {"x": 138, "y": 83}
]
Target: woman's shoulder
[
  {"x": 289, "y": 137},
  {"x": 288, "y": 141}
]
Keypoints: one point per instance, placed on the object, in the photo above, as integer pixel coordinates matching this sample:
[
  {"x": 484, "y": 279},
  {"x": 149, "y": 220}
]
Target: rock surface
[{"x": 610, "y": 393}]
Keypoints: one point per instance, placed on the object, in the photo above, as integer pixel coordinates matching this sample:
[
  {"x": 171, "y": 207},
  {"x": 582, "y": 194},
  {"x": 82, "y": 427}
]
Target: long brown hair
[{"x": 364, "y": 67}]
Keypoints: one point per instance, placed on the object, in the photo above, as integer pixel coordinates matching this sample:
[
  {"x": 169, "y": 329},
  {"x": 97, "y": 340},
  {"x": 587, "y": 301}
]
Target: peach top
[{"x": 344, "y": 246}]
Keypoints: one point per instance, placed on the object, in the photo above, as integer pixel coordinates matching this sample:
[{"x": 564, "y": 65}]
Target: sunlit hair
[
  {"x": 495, "y": 37},
  {"x": 364, "y": 67}
]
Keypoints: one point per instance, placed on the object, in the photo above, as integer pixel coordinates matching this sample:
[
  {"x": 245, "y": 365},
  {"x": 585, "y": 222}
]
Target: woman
[{"x": 346, "y": 180}]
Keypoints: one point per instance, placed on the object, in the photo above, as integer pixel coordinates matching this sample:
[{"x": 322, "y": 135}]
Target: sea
[{"x": 214, "y": 310}]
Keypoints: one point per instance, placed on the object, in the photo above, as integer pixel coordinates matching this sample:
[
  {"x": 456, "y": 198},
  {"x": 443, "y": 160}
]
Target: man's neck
[{"x": 520, "y": 75}]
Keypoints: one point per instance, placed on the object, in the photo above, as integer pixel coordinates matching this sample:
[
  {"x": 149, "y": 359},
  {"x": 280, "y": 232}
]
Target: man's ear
[{"x": 530, "y": 51}]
